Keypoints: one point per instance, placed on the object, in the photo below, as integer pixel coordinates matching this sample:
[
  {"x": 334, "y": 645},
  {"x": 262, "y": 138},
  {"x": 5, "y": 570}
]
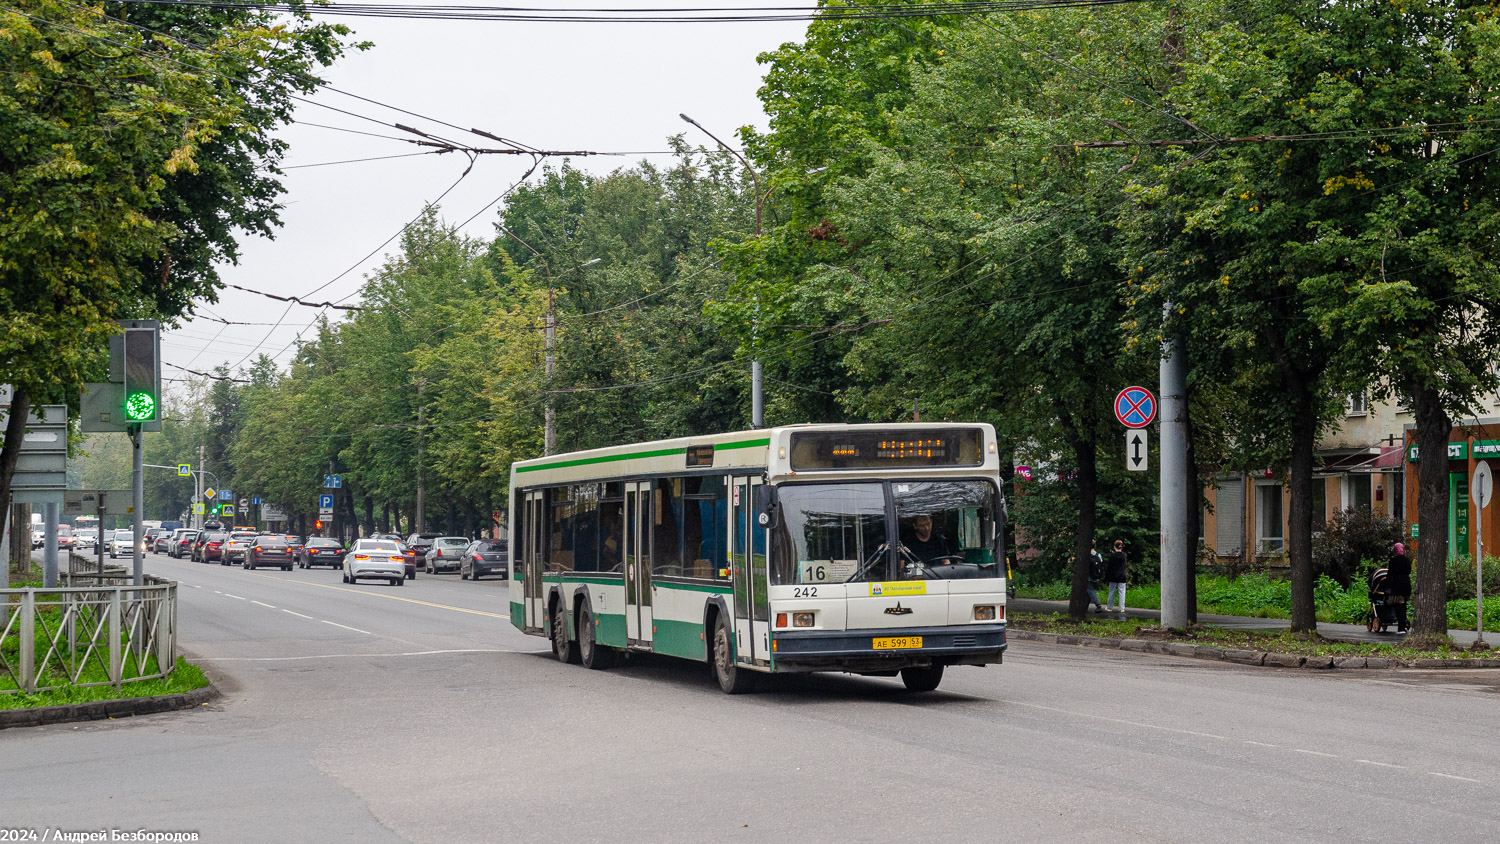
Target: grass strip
[
  {"x": 1272, "y": 641},
  {"x": 184, "y": 678}
]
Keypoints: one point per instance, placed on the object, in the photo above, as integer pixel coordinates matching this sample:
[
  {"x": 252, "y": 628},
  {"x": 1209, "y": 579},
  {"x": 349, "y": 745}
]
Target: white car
[
  {"x": 85, "y": 538},
  {"x": 380, "y": 558},
  {"x": 38, "y": 538},
  {"x": 121, "y": 544}
]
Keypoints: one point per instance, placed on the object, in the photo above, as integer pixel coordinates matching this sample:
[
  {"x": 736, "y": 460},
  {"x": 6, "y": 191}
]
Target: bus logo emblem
[{"x": 898, "y": 610}]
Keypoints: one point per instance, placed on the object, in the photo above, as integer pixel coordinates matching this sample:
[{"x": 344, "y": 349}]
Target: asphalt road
[{"x": 374, "y": 713}]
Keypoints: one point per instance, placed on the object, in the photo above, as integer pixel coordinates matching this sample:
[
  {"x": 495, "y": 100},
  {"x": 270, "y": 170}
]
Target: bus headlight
[
  {"x": 984, "y": 613},
  {"x": 803, "y": 619}
]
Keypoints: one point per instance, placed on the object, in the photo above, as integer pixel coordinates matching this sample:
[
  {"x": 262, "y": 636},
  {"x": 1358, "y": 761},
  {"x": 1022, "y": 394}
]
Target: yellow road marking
[{"x": 379, "y": 595}]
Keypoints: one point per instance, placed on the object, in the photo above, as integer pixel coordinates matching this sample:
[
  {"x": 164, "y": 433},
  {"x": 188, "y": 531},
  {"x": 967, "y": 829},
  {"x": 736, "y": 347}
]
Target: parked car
[
  {"x": 123, "y": 542},
  {"x": 270, "y": 549},
  {"x": 180, "y": 542},
  {"x": 209, "y": 547},
  {"x": 485, "y": 556},
  {"x": 380, "y": 558},
  {"x": 322, "y": 551},
  {"x": 237, "y": 546},
  {"x": 415, "y": 547},
  {"x": 446, "y": 552}
]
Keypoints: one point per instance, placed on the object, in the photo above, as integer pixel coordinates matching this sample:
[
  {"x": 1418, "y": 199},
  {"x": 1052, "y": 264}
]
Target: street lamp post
[
  {"x": 757, "y": 397},
  {"x": 549, "y": 433}
]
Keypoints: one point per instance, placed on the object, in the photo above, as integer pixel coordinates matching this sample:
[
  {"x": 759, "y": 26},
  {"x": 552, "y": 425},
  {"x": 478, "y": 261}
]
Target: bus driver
[{"x": 925, "y": 545}]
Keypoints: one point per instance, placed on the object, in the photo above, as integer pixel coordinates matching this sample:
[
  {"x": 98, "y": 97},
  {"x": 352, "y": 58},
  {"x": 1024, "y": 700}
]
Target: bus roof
[{"x": 738, "y": 449}]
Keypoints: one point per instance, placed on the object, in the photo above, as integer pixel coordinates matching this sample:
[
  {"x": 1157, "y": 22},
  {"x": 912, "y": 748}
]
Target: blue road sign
[
  {"x": 255, "y": 501},
  {"x": 333, "y": 481},
  {"x": 1135, "y": 407},
  {"x": 226, "y": 495},
  {"x": 325, "y": 502}
]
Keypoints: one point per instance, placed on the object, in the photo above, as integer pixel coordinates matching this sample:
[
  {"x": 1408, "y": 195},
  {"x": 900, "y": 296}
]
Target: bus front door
[
  {"x": 638, "y": 524},
  {"x": 751, "y": 603}
]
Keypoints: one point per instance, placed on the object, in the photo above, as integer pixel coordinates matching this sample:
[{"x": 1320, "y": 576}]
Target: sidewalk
[{"x": 1340, "y": 632}]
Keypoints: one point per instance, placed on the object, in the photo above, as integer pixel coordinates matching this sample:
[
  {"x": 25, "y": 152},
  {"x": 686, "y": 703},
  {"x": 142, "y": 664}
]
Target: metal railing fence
[{"x": 76, "y": 636}]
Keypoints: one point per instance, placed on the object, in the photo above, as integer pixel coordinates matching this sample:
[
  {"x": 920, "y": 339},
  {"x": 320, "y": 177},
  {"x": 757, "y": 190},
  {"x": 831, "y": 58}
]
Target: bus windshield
[{"x": 840, "y": 533}]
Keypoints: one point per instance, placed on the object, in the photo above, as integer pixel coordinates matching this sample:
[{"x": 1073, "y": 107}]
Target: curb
[
  {"x": 100, "y": 710},
  {"x": 1244, "y": 657}
]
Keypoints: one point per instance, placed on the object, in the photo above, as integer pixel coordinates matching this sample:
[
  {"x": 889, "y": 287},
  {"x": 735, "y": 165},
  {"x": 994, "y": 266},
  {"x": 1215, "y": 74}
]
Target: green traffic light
[{"x": 140, "y": 407}]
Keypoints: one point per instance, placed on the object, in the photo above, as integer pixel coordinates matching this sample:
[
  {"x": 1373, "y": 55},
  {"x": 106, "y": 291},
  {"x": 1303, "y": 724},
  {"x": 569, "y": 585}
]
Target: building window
[
  {"x": 1358, "y": 404},
  {"x": 1269, "y": 521}
]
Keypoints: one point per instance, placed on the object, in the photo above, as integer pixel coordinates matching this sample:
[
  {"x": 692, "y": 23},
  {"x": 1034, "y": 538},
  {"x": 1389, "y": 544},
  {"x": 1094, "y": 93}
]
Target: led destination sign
[{"x": 813, "y": 450}]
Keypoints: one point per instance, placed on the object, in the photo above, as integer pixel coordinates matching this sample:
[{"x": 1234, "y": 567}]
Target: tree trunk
[
  {"x": 1430, "y": 593},
  {"x": 471, "y": 520},
  {"x": 351, "y": 517},
  {"x": 385, "y": 517},
  {"x": 1087, "y": 459},
  {"x": 369, "y": 515},
  {"x": 1299, "y": 515}
]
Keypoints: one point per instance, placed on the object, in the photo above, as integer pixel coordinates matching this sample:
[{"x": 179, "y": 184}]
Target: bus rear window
[{"x": 907, "y": 448}]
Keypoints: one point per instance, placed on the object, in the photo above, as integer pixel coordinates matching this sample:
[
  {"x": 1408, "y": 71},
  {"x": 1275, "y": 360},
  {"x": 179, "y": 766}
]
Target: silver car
[
  {"x": 447, "y": 552},
  {"x": 237, "y": 547},
  {"x": 181, "y": 541},
  {"x": 379, "y": 558}
]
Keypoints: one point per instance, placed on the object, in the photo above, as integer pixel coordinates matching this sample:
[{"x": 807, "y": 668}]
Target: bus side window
[
  {"x": 666, "y": 514},
  {"x": 586, "y": 528},
  {"x": 560, "y": 530}
]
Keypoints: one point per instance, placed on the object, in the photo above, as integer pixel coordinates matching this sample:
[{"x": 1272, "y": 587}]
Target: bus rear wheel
[
  {"x": 564, "y": 650},
  {"x": 733, "y": 680},
  {"x": 595, "y": 656},
  {"x": 922, "y": 679}
]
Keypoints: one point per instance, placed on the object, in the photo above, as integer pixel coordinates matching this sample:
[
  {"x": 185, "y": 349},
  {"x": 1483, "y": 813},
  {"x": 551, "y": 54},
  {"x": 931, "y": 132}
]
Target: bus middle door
[
  {"x": 638, "y": 522},
  {"x": 748, "y": 555}
]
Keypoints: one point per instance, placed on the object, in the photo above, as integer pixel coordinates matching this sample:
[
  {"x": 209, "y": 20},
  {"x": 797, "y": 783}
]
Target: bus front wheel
[
  {"x": 733, "y": 680},
  {"x": 922, "y": 679}
]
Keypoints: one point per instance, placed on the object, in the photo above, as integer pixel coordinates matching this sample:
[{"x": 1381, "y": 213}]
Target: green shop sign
[
  {"x": 1456, "y": 451},
  {"x": 1487, "y": 448}
]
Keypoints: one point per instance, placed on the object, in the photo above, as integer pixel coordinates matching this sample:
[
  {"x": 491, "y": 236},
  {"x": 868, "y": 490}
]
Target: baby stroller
[{"x": 1382, "y": 613}]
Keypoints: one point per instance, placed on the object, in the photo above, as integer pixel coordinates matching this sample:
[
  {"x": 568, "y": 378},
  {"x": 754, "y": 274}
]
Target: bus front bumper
[{"x": 854, "y": 650}]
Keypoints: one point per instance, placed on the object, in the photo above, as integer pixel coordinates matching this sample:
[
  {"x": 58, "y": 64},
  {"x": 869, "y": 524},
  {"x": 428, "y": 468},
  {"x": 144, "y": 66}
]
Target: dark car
[
  {"x": 151, "y": 535},
  {"x": 414, "y": 548},
  {"x": 321, "y": 551},
  {"x": 270, "y": 550},
  {"x": 157, "y": 542},
  {"x": 485, "y": 556},
  {"x": 209, "y": 545}
]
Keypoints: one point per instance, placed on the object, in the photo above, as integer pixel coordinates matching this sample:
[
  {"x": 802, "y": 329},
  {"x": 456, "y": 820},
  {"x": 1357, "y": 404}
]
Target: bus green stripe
[
  {"x": 693, "y": 587},
  {"x": 632, "y": 455},
  {"x": 583, "y": 578}
]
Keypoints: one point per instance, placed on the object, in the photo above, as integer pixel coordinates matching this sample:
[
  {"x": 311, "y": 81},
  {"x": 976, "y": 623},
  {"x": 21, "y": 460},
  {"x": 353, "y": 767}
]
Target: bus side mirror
[{"x": 767, "y": 509}]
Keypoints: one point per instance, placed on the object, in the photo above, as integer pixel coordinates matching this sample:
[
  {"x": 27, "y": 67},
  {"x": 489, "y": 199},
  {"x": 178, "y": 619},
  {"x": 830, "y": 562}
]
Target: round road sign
[{"x": 1135, "y": 407}]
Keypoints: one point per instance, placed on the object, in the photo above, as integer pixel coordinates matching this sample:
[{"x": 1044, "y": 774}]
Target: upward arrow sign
[{"x": 1136, "y": 452}]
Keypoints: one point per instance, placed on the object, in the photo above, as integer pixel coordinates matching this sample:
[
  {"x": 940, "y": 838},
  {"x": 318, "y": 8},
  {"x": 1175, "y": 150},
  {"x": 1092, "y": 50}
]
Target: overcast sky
[{"x": 606, "y": 87}]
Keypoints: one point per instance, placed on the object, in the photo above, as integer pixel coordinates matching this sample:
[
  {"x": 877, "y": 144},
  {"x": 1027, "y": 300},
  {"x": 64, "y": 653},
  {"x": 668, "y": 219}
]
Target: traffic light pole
[{"x": 138, "y": 489}]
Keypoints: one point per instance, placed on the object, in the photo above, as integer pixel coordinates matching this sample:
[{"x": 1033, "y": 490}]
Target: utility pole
[
  {"x": 548, "y": 430},
  {"x": 198, "y": 487},
  {"x": 757, "y": 397},
  {"x": 138, "y": 491},
  {"x": 421, "y": 525}
]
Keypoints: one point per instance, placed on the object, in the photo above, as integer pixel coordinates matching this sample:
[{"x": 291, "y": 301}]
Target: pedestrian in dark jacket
[
  {"x": 1096, "y": 575},
  {"x": 1115, "y": 572},
  {"x": 1398, "y": 584}
]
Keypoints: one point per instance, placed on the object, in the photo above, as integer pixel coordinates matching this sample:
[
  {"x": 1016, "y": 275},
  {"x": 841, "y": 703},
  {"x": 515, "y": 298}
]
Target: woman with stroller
[{"x": 1398, "y": 584}]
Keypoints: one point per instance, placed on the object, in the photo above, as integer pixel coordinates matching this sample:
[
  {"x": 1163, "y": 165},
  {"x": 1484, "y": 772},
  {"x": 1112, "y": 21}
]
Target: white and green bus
[{"x": 871, "y": 549}]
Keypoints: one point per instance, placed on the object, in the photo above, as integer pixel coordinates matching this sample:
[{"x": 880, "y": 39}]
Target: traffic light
[
  {"x": 318, "y": 524},
  {"x": 142, "y": 375}
]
